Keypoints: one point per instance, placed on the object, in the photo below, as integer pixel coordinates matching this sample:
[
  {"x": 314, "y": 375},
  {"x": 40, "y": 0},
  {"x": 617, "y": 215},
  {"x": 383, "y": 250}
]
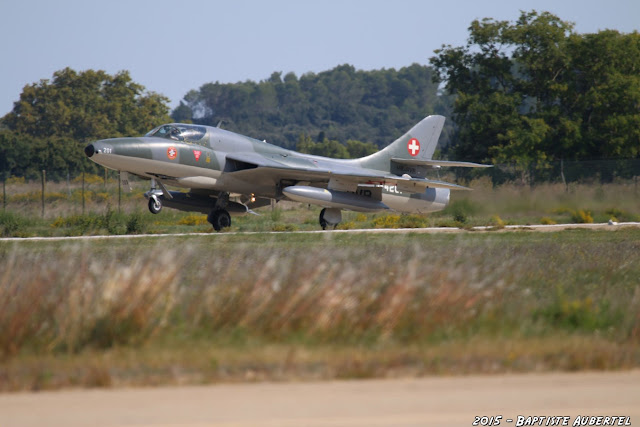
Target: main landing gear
[
  {"x": 219, "y": 218},
  {"x": 330, "y": 216}
]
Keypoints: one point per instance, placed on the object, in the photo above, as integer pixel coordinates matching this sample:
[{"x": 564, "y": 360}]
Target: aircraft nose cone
[{"x": 89, "y": 150}]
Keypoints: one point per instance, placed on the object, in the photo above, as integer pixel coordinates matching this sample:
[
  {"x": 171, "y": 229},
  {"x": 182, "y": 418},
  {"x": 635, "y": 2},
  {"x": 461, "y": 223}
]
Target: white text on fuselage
[
  {"x": 386, "y": 188},
  {"x": 391, "y": 189}
]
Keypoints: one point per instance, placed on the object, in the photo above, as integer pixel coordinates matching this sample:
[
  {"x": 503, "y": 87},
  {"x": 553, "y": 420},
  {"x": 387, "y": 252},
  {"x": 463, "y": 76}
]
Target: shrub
[
  {"x": 579, "y": 314},
  {"x": 621, "y": 215},
  {"x": 461, "y": 210},
  {"x": 361, "y": 217},
  {"x": 276, "y": 214},
  {"x": 80, "y": 224},
  {"x": 582, "y": 216},
  {"x": 115, "y": 222},
  {"x": 387, "y": 221},
  {"x": 496, "y": 222},
  {"x": 284, "y": 227},
  {"x": 348, "y": 225},
  {"x": 413, "y": 221},
  {"x": 11, "y": 224},
  {"x": 136, "y": 223},
  {"x": 547, "y": 221}
]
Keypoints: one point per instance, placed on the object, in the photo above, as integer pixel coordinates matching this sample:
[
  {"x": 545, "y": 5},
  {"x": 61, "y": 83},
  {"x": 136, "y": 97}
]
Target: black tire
[
  {"x": 155, "y": 205},
  {"x": 323, "y": 223},
  {"x": 219, "y": 219}
]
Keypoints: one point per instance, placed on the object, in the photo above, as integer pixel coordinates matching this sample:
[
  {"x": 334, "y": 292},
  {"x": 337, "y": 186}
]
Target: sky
[{"x": 172, "y": 47}]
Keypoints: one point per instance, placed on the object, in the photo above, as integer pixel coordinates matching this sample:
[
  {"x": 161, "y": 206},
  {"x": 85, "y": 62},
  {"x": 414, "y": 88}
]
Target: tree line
[
  {"x": 533, "y": 91},
  {"x": 339, "y": 104},
  {"x": 529, "y": 92}
]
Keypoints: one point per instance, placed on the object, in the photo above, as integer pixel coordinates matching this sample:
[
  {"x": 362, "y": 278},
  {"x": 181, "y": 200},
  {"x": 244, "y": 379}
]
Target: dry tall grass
[{"x": 350, "y": 290}]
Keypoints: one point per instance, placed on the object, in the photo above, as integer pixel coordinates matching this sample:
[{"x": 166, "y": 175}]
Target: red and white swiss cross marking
[
  {"x": 172, "y": 153},
  {"x": 413, "y": 147}
]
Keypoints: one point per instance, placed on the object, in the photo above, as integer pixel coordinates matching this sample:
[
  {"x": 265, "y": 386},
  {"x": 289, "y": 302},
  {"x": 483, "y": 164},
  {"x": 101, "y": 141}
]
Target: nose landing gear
[
  {"x": 155, "y": 205},
  {"x": 153, "y": 195}
]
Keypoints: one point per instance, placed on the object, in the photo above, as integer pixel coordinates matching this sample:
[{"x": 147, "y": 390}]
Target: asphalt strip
[{"x": 537, "y": 227}]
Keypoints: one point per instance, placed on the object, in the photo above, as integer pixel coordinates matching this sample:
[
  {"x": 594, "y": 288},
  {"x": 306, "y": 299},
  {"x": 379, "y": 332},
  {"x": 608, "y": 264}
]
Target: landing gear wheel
[
  {"x": 219, "y": 219},
  {"x": 323, "y": 222},
  {"x": 330, "y": 216},
  {"x": 155, "y": 206}
]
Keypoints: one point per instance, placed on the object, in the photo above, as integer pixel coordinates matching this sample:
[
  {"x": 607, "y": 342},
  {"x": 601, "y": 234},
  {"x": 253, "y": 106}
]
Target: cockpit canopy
[{"x": 179, "y": 132}]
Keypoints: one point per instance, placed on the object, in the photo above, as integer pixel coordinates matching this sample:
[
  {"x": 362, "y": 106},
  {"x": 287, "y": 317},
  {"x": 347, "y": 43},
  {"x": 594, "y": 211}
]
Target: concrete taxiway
[
  {"x": 436, "y": 401},
  {"x": 536, "y": 227}
]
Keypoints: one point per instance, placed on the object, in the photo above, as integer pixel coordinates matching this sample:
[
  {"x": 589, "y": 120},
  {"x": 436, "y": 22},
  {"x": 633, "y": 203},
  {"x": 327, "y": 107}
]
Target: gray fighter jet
[{"x": 231, "y": 174}]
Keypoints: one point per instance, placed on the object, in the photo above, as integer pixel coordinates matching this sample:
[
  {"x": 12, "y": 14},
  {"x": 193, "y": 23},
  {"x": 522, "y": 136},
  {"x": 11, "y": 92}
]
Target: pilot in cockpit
[{"x": 174, "y": 134}]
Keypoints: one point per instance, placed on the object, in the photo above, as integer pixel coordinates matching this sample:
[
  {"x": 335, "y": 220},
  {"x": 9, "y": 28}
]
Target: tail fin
[{"x": 418, "y": 145}]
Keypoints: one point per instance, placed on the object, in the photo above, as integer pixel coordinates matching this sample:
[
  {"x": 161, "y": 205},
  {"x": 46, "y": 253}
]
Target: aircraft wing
[{"x": 258, "y": 168}]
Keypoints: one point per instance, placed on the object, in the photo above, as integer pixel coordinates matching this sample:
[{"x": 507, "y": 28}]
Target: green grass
[
  {"x": 221, "y": 307},
  {"x": 512, "y": 204}
]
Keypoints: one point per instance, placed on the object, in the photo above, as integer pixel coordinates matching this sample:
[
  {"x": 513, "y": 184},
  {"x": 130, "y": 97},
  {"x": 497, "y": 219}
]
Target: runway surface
[
  {"x": 439, "y": 401},
  {"x": 538, "y": 227}
]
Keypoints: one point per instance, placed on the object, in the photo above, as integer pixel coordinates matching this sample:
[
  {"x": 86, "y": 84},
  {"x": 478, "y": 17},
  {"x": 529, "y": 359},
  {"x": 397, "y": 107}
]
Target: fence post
[
  {"x": 44, "y": 178},
  {"x": 119, "y": 190},
  {"x": 564, "y": 181},
  {"x": 4, "y": 193},
  {"x": 83, "y": 192}
]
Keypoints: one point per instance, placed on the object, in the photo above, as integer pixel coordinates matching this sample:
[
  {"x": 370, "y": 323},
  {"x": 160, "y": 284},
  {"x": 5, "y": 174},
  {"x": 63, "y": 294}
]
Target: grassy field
[{"x": 221, "y": 307}]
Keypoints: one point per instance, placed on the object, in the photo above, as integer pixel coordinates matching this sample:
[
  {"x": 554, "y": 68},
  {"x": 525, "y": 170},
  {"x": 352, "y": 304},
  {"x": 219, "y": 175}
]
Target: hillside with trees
[{"x": 340, "y": 104}]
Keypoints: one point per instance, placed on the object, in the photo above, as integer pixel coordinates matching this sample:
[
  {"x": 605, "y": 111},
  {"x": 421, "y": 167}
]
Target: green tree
[
  {"x": 54, "y": 119},
  {"x": 15, "y": 155},
  {"x": 603, "y": 94},
  {"x": 532, "y": 91},
  {"x": 85, "y": 106}
]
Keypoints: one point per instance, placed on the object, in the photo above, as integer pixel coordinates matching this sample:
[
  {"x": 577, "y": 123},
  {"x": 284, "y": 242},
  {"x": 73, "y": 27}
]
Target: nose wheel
[
  {"x": 153, "y": 195},
  {"x": 155, "y": 205}
]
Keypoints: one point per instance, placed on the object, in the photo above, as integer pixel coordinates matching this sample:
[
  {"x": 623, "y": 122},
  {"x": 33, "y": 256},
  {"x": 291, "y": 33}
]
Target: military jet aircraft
[{"x": 231, "y": 174}]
